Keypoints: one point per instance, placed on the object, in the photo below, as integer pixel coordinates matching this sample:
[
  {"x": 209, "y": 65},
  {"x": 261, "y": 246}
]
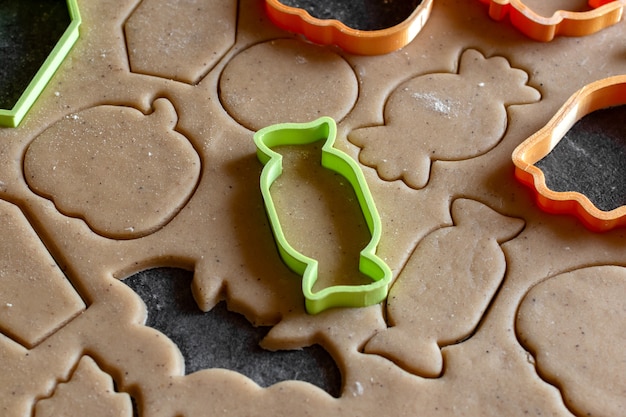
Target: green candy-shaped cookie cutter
[{"x": 334, "y": 159}]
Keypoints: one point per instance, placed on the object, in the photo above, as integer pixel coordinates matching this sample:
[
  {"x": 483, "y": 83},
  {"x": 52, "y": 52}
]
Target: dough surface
[{"x": 136, "y": 157}]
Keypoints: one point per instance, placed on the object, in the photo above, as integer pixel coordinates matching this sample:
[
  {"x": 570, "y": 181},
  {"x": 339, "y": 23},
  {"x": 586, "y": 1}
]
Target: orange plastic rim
[
  {"x": 334, "y": 32},
  {"x": 604, "y": 13},
  {"x": 601, "y": 94}
]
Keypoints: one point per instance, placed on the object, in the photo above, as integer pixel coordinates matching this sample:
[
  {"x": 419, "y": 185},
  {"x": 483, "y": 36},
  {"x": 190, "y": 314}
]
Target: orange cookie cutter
[
  {"x": 601, "y": 94},
  {"x": 334, "y": 32},
  {"x": 604, "y": 13}
]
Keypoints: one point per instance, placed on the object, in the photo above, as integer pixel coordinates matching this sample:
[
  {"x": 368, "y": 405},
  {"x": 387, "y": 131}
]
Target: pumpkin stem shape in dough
[{"x": 125, "y": 173}]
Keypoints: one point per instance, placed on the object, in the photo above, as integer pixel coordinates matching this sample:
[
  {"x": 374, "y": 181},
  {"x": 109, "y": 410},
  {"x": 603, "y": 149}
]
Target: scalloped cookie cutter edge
[
  {"x": 604, "y": 13},
  {"x": 334, "y": 32},
  {"x": 598, "y": 95}
]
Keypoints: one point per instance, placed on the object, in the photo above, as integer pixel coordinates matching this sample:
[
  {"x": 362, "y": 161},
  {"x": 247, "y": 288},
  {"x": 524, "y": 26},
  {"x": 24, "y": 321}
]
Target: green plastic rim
[
  {"x": 14, "y": 116},
  {"x": 370, "y": 264}
]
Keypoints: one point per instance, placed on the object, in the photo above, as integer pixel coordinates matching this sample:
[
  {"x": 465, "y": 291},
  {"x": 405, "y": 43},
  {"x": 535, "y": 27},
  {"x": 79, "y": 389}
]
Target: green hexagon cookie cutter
[
  {"x": 13, "y": 117},
  {"x": 369, "y": 263}
]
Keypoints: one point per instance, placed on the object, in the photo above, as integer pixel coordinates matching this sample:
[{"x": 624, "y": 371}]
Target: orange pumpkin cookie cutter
[
  {"x": 601, "y": 94},
  {"x": 603, "y": 13},
  {"x": 334, "y": 32}
]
